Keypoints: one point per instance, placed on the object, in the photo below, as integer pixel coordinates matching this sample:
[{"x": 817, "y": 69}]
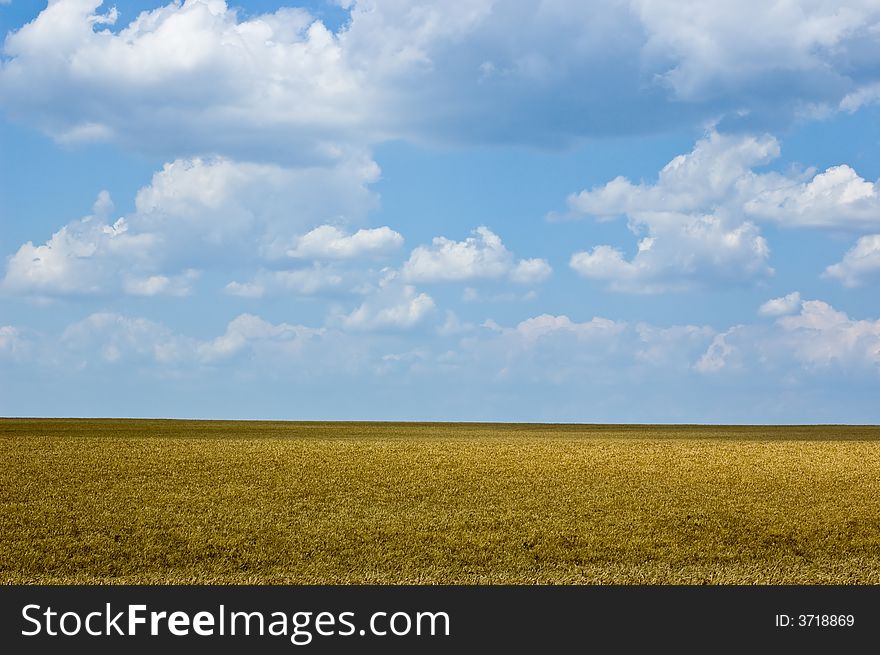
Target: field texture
[{"x": 111, "y": 501}]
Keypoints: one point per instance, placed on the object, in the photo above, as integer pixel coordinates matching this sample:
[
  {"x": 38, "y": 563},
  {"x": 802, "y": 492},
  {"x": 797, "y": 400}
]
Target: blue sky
[{"x": 635, "y": 211}]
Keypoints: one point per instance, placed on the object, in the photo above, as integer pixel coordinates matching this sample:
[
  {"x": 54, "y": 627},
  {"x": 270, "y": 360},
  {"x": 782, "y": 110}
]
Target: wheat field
[{"x": 180, "y": 502}]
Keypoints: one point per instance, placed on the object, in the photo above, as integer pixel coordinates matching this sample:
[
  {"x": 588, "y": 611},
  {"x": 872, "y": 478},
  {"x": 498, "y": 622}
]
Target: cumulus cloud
[
  {"x": 698, "y": 222},
  {"x": 481, "y": 256},
  {"x": 329, "y": 242},
  {"x": 816, "y": 338},
  {"x": 718, "y": 166},
  {"x": 194, "y": 77},
  {"x": 391, "y": 305},
  {"x": 186, "y": 78},
  {"x": 821, "y": 336},
  {"x": 199, "y": 213},
  {"x": 88, "y": 256},
  {"x": 718, "y": 175},
  {"x": 836, "y": 198},
  {"x": 682, "y": 253},
  {"x": 689, "y": 238},
  {"x": 223, "y": 201},
  {"x": 531, "y": 271},
  {"x": 860, "y": 263},
  {"x": 780, "y": 306}
]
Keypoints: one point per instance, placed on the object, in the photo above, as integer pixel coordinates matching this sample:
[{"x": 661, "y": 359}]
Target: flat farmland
[{"x": 145, "y": 502}]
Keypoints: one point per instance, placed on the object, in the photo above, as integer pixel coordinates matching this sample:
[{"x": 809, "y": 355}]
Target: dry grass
[{"x": 225, "y": 502}]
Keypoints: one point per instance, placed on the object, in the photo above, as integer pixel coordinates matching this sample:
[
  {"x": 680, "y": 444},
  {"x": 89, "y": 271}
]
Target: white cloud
[
  {"x": 194, "y": 77},
  {"x": 155, "y": 285},
  {"x": 573, "y": 356},
  {"x": 780, "y": 306},
  {"x": 718, "y": 176},
  {"x": 698, "y": 221},
  {"x": 222, "y": 202},
  {"x": 542, "y": 326},
  {"x": 547, "y": 348},
  {"x": 717, "y": 47},
  {"x": 816, "y": 338},
  {"x": 860, "y": 263},
  {"x": 718, "y": 167},
  {"x": 836, "y": 198},
  {"x": 83, "y": 257},
  {"x": 821, "y": 336},
  {"x": 481, "y": 256},
  {"x": 186, "y": 78},
  {"x": 690, "y": 237},
  {"x": 329, "y": 242},
  {"x": 531, "y": 271},
  {"x": 252, "y": 332},
  {"x": 196, "y": 214},
  {"x": 868, "y": 94},
  {"x": 561, "y": 351},
  {"x": 682, "y": 252},
  {"x": 392, "y": 305}
]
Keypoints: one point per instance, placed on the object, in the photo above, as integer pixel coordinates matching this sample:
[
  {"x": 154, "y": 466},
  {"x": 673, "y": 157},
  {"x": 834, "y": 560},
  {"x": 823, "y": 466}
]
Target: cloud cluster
[
  {"x": 699, "y": 222},
  {"x": 808, "y": 335},
  {"x": 269, "y": 120},
  {"x": 106, "y": 338},
  {"x": 559, "y": 350},
  {"x": 821, "y": 336},
  {"x": 795, "y": 349},
  {"x": 194, "y": 77},
  {"x": 837, "y": 198},
  {"x": 202, "y": 213}
]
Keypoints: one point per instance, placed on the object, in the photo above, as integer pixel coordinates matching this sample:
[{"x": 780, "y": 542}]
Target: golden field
[{"x": 143, "y": 502}]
